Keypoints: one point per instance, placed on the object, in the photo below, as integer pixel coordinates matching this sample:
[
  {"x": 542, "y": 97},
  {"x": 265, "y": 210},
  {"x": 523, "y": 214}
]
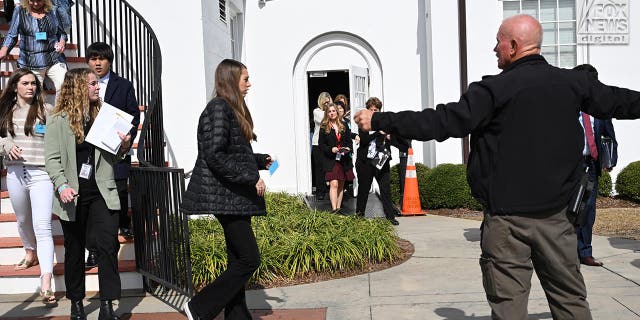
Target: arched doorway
[{"x": 301, "y": 66}]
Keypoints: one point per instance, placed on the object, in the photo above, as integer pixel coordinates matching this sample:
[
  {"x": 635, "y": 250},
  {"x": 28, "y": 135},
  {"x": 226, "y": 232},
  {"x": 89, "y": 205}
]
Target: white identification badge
[{"x": 85, "y": 171}]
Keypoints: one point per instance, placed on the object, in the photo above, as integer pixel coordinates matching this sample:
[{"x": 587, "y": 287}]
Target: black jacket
[
  {"x": 365, "y": 140},
  {"x": 120, "y": 94},
  {"x": 604, "y": 128},
  {"x": 326, "y": 142},
  {"x": 526, "y": 141},
  {"x": 226, "y": 171}
]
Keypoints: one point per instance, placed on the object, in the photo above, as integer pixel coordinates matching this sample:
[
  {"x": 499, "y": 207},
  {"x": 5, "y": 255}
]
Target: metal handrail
[
  {"x": 137, "y": 58},
  {"x": 160, "y": 229}
]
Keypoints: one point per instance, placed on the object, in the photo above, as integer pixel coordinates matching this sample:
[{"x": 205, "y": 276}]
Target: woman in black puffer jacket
[{"x": 226, "y": 183}]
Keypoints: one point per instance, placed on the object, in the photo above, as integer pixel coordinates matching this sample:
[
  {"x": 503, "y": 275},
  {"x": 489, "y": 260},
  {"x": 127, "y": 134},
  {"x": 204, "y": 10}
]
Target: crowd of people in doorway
[{"x": 333, "y": 145}]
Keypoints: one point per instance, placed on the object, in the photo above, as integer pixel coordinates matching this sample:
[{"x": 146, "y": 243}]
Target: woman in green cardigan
[{"x": 86, "y": 190}]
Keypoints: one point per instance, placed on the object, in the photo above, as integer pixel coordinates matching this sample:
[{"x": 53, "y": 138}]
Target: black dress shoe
[
  {"x": 590, "y": 261},
  {"x": 77, "y": 310},
  {"x": 394, "y": 221},
  {"x": 106, "y": 311},
  {"x": 92, "y": 260}
]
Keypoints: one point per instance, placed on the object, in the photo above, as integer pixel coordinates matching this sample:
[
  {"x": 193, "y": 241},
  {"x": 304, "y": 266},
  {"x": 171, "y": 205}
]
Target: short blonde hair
[
  {"x": 48, "y": 5},
  {"x": 323, "y": 98}
]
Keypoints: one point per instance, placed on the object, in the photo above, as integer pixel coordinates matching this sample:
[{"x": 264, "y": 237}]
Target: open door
[{"x": 358, "y": 95}]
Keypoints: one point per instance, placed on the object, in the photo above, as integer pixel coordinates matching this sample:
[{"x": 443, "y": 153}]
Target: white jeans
[
  {"x": 55, "y": 72},
  {"x": 31, "y": 193}
]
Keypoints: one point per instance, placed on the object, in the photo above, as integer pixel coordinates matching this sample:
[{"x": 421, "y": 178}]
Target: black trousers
[
  {"x": 123, "y": 194},
  {"x": 366, "y": 173},
  {"x": 123, "y": 214},
  {"x": 92, "y": 211},
  {"x": 402, "y": 171},
  {"x": 227, "y": 291},
  {"x": 318, "y": 171}
]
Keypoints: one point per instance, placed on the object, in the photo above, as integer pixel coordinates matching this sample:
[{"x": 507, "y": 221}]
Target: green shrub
[
  {"x": 422, "y": 171},
  {"x": 294, "y": 240},
  {"x": 628, "y": 182},
  {"x": 448, "y": 188},
  {"x": 604, "y": 184}
]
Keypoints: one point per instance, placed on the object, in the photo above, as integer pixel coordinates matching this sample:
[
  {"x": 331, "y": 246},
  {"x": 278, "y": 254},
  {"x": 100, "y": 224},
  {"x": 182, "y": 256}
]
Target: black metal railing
[
  {"x": 160, "y": 230},
  {"x": 137, "y": 57}
]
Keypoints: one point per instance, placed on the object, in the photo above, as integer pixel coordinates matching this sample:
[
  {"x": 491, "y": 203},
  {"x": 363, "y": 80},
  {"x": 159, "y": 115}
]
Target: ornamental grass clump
[{"x": 296, "y": 241}]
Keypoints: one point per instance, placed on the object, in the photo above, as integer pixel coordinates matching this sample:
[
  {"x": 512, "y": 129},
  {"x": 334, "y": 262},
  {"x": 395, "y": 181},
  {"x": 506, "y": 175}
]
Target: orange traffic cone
[{"x": 411, "y": 199}]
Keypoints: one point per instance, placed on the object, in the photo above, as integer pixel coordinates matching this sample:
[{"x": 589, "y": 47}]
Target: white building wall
[
  {"x": 619, "y": 65},
  {"x": 184, "y": 84},
  {"x": 275, "y": 35}
]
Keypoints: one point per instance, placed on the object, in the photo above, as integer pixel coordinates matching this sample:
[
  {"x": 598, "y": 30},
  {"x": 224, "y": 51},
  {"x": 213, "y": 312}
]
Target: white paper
[{"x": 104, "y": 131}]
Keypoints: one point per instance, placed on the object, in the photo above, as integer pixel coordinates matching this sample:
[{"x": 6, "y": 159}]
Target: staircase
[{"x": 11, "y": 249}]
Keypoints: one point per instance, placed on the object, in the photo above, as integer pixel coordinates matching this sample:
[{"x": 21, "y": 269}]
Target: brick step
[
  {"x": 58, "y": 269},
  {"x": 28, "y": 281},
  {"x": 9, "y": 227},
  {"x": 14, "y": 57},
  {"x": 11, "y": 256},
  {"x": 11, "y": 217},
  {"x": 58, "y": 240}
]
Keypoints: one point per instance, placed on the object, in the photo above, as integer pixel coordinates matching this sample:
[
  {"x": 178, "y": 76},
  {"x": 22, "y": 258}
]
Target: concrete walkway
[{"x": 441, "y": 281}]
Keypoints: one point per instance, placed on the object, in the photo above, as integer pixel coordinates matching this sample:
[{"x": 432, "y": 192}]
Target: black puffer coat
[{"x": 226, "y": 171}]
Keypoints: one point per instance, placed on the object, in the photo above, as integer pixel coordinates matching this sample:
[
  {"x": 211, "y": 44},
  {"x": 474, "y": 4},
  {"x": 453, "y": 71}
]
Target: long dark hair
[
  {"x": 227, "y": 77},
  {"x": 8, "y": 100}
]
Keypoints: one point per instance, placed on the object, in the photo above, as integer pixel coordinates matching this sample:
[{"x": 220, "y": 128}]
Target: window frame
[{"x": 581, "y": 51}]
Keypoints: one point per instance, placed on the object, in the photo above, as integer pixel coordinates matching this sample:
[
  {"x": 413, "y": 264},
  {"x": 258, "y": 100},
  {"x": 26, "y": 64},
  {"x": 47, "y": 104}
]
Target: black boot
[
  {"x": 77, "y": 310},
  {"x": 106, "y": 311}
]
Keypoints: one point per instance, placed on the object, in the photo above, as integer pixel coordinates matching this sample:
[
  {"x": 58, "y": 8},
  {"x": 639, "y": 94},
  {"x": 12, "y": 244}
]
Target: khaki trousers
[{"x": 513, "y": 246}]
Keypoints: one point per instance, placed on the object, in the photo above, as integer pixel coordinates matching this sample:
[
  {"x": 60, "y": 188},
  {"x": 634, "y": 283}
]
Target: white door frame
[{"x": 301, "y": 99}]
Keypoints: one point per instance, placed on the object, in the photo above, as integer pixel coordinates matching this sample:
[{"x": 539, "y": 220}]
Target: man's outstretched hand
[{"x": 363, "y": 119}]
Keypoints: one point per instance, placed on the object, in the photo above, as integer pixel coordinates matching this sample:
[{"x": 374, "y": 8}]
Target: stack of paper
[{"x": 104, "y": 131}]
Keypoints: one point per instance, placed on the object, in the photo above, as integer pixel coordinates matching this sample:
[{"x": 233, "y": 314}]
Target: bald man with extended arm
[{"x": 525, "y": 166}]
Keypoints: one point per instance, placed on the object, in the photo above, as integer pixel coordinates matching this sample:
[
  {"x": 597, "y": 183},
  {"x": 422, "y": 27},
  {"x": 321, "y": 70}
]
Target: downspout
[{"x": 462, "y": 44}]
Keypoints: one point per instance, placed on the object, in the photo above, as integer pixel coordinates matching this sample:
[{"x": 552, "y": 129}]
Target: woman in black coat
[
  {"x": 226, "y": 183},
  {"x": 336, "y": 145}
]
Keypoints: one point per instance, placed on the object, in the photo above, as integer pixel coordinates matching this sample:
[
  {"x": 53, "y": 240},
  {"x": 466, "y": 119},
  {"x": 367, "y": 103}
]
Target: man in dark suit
[
  {"x": 119, "y": 93},
  {"x": 367, "y": 170},
  {"x": 596, "y": 160},
  {"x": 525, "y": 166}
]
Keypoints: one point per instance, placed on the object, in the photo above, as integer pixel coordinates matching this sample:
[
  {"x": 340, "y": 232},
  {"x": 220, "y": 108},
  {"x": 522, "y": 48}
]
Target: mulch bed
[
  {"x": 623, "y": 223},
  {"x": 407, "y": 251},
  {"x": 615, "y": 217}
]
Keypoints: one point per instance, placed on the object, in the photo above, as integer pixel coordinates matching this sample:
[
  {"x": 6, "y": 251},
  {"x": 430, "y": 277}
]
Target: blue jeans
[{"x": 585, "y": 231}]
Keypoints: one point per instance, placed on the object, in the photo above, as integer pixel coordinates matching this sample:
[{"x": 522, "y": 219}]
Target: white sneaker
[{"x": 187, "y": 312}]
